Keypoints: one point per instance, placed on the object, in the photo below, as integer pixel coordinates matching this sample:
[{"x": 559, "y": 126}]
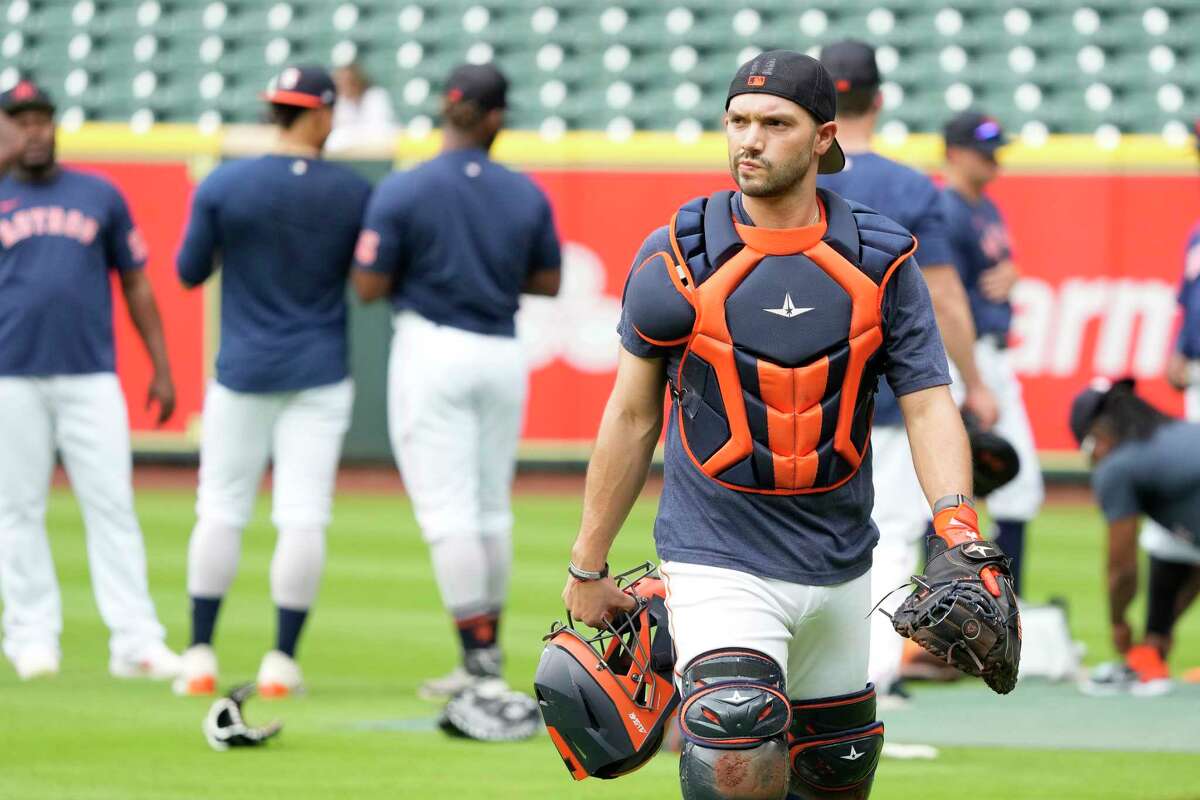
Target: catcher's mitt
[
  {"x": 964, "y": 610},
  {"x": 994, "y": 460}
]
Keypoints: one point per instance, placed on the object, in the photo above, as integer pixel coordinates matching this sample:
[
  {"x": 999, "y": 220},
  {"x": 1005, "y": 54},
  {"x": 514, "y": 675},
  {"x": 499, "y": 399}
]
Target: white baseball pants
[
  {"x": 455, "y": 405},
  {"x": 84, "y": 418},
  {"x": 902, "y": 515},
  {"x": 817, "y": 634},
  {"x": 301, "y": 432},
  {"x": 1021, "y": 498}
]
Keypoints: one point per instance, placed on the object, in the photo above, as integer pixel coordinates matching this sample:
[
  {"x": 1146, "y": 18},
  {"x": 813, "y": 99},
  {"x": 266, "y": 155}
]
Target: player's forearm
[
  {"x": 616, "y": 474},
  {"x": 940, "y": 450},
  {"x": 1122, "y": 588},
  {"x": 957, "y": 326},
  {"x": 143, "y": 310},
  {"x": 1122, "y": 567}
]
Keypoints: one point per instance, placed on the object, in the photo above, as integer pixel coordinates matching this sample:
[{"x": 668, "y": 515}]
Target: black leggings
[{"x": 1168, "y": 580}]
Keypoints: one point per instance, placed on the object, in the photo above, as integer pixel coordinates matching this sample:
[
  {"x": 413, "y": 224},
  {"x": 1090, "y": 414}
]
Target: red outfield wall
[{"x": 1101, "y": 256}]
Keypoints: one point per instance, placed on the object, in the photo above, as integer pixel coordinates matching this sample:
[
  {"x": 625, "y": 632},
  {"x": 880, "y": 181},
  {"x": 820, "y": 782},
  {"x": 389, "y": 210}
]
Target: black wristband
[{"x": 587, "y": 575}]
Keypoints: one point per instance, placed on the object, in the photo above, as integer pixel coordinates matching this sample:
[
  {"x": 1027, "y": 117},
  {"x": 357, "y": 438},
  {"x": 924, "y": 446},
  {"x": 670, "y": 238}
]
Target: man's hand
[
  {"x": 596, "y": 602},
  {"x": 997, "y": 282},
  {"x": 980, "y": 401},
  {"x": 162, "y": 392},
  {"x": 1177, "y": 371}
]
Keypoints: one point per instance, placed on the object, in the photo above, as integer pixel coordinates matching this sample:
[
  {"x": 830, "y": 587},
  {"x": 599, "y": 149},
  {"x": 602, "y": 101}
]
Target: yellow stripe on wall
[{"x": 644, "y": 150}]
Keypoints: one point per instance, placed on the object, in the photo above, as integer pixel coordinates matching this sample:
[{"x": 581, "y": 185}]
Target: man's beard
[{"x": 776, "y": 179}]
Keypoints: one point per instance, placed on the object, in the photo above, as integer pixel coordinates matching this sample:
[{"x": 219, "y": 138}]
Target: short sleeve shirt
[
  {"x": 60, "y": 240},
  {"x": 459, "y": 235},
  {"x": 911, "y": 199},
  {"x": 1189, "y": 298},
  {"x": 1158, "y": 477},
  {"x": 815, "y": 539},
  {"x": 979, "y": 241}
]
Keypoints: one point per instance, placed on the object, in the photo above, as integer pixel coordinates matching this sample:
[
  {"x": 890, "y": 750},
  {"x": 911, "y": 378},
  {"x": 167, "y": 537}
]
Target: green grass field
[{"x": 378, "y": 631}]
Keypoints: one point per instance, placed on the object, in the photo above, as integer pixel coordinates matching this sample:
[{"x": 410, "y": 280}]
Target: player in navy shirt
[
  {"x": 1183, "y": 369},
  {"x": 911, "y": 199},
  {"x": 63, "y": 235},
  {"x": 282, "y": 230},
  {"x": 982, "y": 252},
  {"x": 1145, "y": 467},
  {"x": 453, "y": 243}
]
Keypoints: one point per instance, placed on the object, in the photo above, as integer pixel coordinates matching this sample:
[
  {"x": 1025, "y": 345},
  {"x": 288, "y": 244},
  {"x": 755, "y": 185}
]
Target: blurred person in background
[
  {"x": 1144, "y": 464},
  {"x": 281, "y": 228},
  {"x": 454, "y": 243},
  {"x": 1183, "y": 368},
  {"x": 363, "y": 115},
  {"x": 63, "y": 233},
  {"x": 980, "y": 247},
  {"x": 911, "y": 199}
]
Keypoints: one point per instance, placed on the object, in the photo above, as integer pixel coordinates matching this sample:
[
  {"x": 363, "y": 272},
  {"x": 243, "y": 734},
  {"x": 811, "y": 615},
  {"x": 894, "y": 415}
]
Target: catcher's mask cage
[{"x": 607, "y": 697}]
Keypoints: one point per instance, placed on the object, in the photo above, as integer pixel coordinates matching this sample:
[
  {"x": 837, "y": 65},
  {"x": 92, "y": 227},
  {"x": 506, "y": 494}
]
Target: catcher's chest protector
[{"x": 775, "y": 387}]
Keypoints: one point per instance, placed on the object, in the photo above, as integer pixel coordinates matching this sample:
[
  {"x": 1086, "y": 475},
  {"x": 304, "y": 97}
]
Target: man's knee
[
  {"x": 735, "y": 718},
  {"x": 835, "y": 744}
]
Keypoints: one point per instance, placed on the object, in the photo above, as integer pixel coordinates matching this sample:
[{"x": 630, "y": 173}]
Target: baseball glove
[
  {"x": 993, "y": 458},
  {"x": 964, "y": 611}
]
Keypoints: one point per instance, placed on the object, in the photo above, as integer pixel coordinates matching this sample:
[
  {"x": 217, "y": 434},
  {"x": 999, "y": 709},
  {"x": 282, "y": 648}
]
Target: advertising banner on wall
[{"x": 1100, "y": 254}]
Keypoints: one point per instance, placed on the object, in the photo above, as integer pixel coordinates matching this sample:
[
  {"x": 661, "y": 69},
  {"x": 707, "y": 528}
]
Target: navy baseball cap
[
  {"x": 796, "y": 77},
  {"x": 25, "y": 96},
  {"x": 303, "y": 87},
  {"x": 851, "y": 64},
  {"x": 975, "y": 131},
  {"x": 481, "y": 84},
  {"x": 1087, "y": 404}
]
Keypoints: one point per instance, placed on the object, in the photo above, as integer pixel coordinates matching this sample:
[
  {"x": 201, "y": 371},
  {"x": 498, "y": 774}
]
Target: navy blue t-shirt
[
  {"x": 818, "y": 539},
  {"x": 1158, "y": 477},
  {"x": 283, "y": 229},
  {"x": 979, "y": 241},
  {"x": 58, "y": 241},
  {"x": 1189, "y": 298},
  {"x": 908, "y": 197},
  {"x": 459, "y": 235}
]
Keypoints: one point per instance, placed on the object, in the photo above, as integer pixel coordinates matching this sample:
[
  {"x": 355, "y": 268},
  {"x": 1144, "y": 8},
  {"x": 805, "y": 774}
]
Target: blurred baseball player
[
  {"x": 282, "y": 228},
  {"x": 1145, "y": 463},
  {"x": 61, "y": 233},
  {"x": 980, "y": 245},
  {"x": 770, "y": 313},
  {"x": 1183, "y": 368},
  {"x": 911, "y": 199},
  {"x": 454, "y": 243}
]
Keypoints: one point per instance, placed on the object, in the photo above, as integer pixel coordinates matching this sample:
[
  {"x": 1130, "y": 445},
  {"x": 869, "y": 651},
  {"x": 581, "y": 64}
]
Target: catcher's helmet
[{"x": 606, "y": 699}]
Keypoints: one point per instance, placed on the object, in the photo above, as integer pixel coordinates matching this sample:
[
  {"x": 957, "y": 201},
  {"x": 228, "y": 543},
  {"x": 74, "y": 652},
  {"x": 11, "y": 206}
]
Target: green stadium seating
[{"x": 1071, "y": 65}]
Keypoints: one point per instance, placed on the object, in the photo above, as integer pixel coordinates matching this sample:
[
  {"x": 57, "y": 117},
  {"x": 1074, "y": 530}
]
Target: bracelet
[
  {"x": 585, "y": 574},
  {"x": 952, "y": 501}
]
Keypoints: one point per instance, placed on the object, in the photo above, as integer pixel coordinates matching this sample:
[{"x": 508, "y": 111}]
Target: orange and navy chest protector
[{"x": 782, "y": 333}]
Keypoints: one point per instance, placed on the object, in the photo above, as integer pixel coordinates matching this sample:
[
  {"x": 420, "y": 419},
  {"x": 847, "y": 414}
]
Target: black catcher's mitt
[
  {"x": 964, "y": 611},
  {"x": 993, "y": 458}
]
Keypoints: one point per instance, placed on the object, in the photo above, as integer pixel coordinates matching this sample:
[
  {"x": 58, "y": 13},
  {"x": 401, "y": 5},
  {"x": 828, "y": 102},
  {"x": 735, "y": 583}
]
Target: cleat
[
  {"x": 448, "y": 685},
  {"x": 1108, "y": 680},
  {"x": 154, "y": 661},
  {"x": 1153, "y": 675},
  {"x": 36, "y": 661},
  {"x": 279, "y": 676},
  {"x": 198, "y": 676}
]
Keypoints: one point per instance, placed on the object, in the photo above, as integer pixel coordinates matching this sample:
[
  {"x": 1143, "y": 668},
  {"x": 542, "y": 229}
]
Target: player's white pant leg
[
  {"x": 501, "y": 410},
  {"x": 902, "y": 515},
  {"x": 1161, "y": 543},
  {"x": 235, "y": 444},
  {"x": 1191, "y": 402},
  {"x": 1021, "y": 498},
  {"x": 817, "y": 634},
  {"x": 433, "y": 426},
  {"x": 28, "y": 587},
  {"x": 92, "y": 431},
  {"x": 308, "y": 447}
]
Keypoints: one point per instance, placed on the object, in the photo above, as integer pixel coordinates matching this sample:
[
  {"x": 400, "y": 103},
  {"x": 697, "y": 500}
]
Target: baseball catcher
[{"x": 964, "y": 609}]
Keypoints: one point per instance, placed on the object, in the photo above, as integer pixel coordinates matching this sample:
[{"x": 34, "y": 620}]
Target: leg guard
[
  {"x": 735, "y": 717},
  {"x": 835, "y": 744}
]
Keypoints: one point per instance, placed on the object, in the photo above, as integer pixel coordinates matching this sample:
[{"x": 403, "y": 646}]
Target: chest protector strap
[{"x": 772, "y": 399}]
